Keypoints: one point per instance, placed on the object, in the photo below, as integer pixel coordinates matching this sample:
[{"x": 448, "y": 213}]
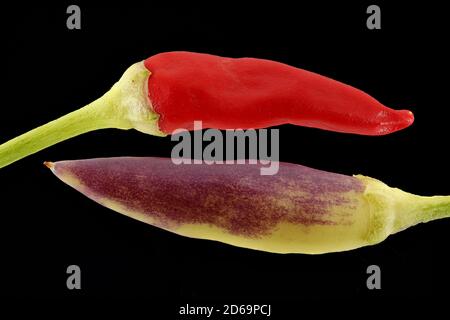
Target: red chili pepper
[
  {"x": 223, "y": 93},
  {"x": 255, "y": 93}
]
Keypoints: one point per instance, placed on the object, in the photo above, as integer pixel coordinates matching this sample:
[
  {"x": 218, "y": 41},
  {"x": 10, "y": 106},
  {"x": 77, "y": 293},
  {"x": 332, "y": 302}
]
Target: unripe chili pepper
[
  {"x": 171, "y": 90},
  {"x": 299, "y": 210}
]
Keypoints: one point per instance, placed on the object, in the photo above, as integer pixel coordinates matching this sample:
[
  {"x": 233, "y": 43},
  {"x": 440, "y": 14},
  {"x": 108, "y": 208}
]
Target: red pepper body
[{"x": 227, "y": 93}]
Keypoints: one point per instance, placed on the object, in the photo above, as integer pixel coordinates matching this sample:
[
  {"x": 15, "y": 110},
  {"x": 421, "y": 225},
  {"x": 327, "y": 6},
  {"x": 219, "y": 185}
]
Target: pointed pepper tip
[{"x": 49, "y": 165}]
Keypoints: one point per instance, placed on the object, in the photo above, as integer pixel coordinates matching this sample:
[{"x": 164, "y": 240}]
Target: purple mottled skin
[{"x": 233, "y": 197}]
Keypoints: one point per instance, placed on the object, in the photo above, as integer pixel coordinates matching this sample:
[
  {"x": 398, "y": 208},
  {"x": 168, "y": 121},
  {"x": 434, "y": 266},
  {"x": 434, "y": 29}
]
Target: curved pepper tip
[
  {"x": 406, "y": 118},
  {"x": 395, "y": 121}
]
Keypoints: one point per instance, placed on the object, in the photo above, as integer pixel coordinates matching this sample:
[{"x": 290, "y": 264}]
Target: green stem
[
  {"x": 412, "y": 209},
  {"x": 91, "y": 117},
  {"x": 125, "y": 106}
]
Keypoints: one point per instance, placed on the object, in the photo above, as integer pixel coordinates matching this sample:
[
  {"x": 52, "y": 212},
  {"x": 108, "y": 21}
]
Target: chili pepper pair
[{"x": 299, "y": 210}]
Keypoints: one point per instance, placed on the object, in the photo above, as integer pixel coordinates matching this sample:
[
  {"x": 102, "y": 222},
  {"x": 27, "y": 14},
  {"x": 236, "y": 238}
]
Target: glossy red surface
[{"x": 227, "y": 93}]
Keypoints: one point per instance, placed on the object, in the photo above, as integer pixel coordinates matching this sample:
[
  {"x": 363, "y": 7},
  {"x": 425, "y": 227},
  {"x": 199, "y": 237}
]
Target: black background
[{"x": 50, "y": 70}]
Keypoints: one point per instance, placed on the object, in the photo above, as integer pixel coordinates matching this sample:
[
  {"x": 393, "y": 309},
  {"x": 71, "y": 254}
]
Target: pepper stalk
[{"x": 124, "y": 106}]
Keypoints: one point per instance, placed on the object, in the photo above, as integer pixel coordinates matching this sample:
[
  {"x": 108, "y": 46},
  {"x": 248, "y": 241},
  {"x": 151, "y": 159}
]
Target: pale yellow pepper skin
[{"x": 299, "y": 210}]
